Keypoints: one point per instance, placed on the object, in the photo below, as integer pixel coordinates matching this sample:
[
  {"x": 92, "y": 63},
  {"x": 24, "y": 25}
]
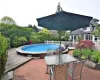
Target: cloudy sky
[{"x": 25, "y": 12}]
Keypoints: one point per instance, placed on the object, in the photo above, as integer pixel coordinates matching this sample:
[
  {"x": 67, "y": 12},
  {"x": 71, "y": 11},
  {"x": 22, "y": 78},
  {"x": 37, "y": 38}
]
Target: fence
[
  {"x": 70, "y": 43},
  {"x": 97, "y": 45}
]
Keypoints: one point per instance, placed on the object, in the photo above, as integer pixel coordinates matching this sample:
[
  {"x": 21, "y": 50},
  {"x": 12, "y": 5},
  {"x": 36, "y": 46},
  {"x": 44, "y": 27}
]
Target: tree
[
  {"x": 96, "y": 32},
  {"x": 7, "y": 20},
  {"x": 35, "y": 28},
  {"x": 67, "y": 35},
  {"x": 45, "y": 34},
  {"x": 29, "y": 26},
  {"x": 10, "y": 31}
]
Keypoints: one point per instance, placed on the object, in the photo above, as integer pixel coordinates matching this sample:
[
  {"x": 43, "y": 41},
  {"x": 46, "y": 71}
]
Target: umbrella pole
[
  {"x": 60, "y": 47},
  {"x": 60, "y": 38}
]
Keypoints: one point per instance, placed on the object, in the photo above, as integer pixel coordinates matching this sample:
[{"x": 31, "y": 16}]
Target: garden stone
[
  {"x": 90, "y": 64},
  {"x": 97, "y": 66}
]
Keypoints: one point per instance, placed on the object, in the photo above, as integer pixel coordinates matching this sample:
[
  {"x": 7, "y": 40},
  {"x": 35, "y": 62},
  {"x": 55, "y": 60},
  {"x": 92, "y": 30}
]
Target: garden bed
[{"x": 90, "y": 63}]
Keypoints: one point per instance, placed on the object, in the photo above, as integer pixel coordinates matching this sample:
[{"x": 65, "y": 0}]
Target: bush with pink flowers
[
  {"x": 85, "y": 44},
  {"x": 84, "y": 48}
]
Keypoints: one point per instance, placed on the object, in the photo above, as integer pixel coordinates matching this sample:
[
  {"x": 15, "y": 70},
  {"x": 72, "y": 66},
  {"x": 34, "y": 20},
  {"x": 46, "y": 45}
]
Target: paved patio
[{"x": 36, "y": 70}]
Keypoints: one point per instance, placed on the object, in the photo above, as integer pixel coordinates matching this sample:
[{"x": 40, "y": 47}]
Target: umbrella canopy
[{"x": 64, "y": 21}]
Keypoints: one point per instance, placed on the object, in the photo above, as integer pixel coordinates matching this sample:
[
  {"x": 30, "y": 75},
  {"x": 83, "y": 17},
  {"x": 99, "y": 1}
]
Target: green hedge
[
  {"x": 96, "y": 56},
  {"x": 19, "y": 41},
  {"x": 3, "y": 54},
  {"x": 93, "y": 55}
]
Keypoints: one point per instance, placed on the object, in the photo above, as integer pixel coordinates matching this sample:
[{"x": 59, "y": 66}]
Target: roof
[
  {"x": 14, "y": 60},
  {"x": 78, "y": 32},
  {"x": 54, "y": 32}
]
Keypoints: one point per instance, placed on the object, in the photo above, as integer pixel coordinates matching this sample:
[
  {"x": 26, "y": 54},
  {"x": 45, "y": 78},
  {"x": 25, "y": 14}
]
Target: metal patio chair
[
  {"x": 60, "y": 72},
  {"x": 50, "y": 52},
  {"x": 58, "y": 51},
  {"x": 75, "y": 69}
]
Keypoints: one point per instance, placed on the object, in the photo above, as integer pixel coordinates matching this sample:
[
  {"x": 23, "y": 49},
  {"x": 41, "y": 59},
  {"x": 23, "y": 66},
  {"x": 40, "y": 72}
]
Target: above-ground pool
[
  {"x": 36, "y": 49},
  {"x": 39, "y": 48}
]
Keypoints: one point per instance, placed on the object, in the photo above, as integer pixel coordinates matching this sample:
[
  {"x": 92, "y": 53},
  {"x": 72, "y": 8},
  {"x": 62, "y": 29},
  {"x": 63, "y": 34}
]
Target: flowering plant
[
  {"x": 85, "y": 44},
  {"x": 30, "y": 41}
]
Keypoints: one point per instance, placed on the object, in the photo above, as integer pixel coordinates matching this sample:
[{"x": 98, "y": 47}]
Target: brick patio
[{"x": 36, "y": 70}]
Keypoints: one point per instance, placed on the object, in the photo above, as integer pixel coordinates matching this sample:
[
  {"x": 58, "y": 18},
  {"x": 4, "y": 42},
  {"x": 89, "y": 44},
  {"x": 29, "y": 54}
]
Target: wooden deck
[{"x": 14, "y": 60}]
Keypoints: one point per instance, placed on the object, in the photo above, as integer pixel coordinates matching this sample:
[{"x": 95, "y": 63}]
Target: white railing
[{"x": 70, "y": 43}]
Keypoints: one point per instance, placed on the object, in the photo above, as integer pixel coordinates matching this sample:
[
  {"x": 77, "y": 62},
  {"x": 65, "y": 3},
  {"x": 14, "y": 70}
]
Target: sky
[{"x": 25, "y": 12}]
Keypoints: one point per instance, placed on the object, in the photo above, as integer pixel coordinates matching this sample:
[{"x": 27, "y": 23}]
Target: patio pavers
[
  {"x": 33, "y": 70},
  {"x": 36, "y": 70}
]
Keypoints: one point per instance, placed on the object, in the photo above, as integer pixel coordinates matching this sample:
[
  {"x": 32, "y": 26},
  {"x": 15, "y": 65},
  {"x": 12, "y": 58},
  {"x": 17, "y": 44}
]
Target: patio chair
[
  {"x": 57, "y": 51},
  {"x": 75, "y": 69},
  {"x": 60, "y": 72},
  {"x": 65, "y": 51},
  {"x": 50, "y": 52}
]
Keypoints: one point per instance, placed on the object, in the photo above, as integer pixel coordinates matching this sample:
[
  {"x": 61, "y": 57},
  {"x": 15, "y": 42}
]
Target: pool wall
[{"x": 20, "y": 50}]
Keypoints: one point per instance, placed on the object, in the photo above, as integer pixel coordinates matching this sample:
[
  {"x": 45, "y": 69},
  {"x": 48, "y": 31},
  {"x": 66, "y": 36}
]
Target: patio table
[{"x": 54, "y": 59}]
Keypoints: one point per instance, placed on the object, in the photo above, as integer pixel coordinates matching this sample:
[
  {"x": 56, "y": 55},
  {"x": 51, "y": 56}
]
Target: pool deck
[{"x": 36, "y": 70}]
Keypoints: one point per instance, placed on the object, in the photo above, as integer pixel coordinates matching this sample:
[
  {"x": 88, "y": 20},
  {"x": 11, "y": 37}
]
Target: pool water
[{"x": 40, "y": 47}]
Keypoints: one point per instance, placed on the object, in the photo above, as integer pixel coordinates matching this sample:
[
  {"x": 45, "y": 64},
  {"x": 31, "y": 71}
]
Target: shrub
[
  {"x": 96, "y": 56},
  {"x": 35, "y": 39},
  {"x": 3, "y": 55},
  {"x": 86, "y": 53},
  {"x": 77, "y": 53},
  {"x": 83, "y": 53},
  {"x": 19, "y": 41},
  {"x": 85, "y": 44}
]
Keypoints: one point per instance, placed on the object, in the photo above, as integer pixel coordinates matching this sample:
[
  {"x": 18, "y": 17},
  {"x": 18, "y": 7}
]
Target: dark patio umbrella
[{"x": 62, "y": 20}]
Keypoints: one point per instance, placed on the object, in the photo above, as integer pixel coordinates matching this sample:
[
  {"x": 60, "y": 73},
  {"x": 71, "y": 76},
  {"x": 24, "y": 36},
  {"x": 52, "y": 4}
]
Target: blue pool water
[{"x": 40, "y": 47}]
